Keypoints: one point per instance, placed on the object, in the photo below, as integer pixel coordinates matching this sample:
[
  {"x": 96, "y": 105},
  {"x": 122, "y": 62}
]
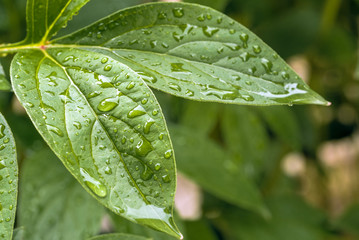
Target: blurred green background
[{"x": 302, "y": 160}]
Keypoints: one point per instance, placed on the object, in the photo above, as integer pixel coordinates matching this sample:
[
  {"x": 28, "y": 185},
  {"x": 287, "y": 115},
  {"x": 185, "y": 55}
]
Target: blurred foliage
[{"x": 254, "y": 140}]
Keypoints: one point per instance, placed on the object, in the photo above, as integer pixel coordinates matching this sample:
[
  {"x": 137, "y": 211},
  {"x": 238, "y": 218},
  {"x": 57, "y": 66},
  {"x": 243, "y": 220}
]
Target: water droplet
[
  {"x": 154, "y": 112},
  {"x": 137, "y": 111},
  {"x": 107, "y": 67},
  {"x": 178, "y": 12},
  {"x": 130, "y": 85},
  {"x": 232, "y": 46},
  {"x": 107, "y": 104},
  {"x": 166, "y": 178},
  {"x": 257, "y": 49},
  {"x": 248, "y": 98},
  {"x": 77, "y": 125},
  {"x": 232, "y": 31},
  {"x": 162, "y": 15},
  {"x": 168, "y": 153},
  {"x": 95, "y": 185},
  {"x": 2, "y": 164},
  {"x": 11, "y": 207},
  {"x": 55, "y": 130},
  {"x": 108, "y": 170},
  {"x": 285, "y": 75},
  {"x": 244, "y": 38},
  {"x": 143, "y": 147},
  {"x": 178, "y": 67},
  {"x": 245, "y": 56},
  {"x": 174, "y": 86},
  {"x": 8, "y": 219},
  {"x": 94, "y": 94},
  {"x": 2, "y": 128},
  {"x": 104, "y": 60},
  {"x": 267, "y": 65},
  {"x": 147, "y": 77},
  {"x": 157, "y": 166},
  {"x": 201, "y": 18},
  {"x": 147, "y": 173},
  {"x": 209, "y": 31},
  {"x": 160, "y": 137},
  {"x": 148, "y": 124},
  {"x": 189, "y": 93}
]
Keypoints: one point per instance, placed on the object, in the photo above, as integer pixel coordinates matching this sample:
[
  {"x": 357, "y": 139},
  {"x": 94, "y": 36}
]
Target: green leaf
[
  {"x": 291, "y": 219},
  {"x": 107, "y": 128},
  {"x": 52, "y": 205},
  {"x": 195, "y": 52},
  {"x": 349, "y": 221},
  {"x": 282, "y": 121},
  {"x": 4, "y": 83},
  {"x": 210, "y": 166},
  {"x": 118, "y": 236},
  {"x": 246, "y": 137},
  {"x": 200, "y": 229},
  {"x": 8, "y": 180},
  {"x": 18, "y": 233},
  {"x": 45, "y": 18}
]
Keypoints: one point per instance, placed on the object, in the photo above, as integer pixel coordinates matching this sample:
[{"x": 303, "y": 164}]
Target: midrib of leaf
[
  {"x": 97, "y": 119},
  {"x": 48, "y": 29}
]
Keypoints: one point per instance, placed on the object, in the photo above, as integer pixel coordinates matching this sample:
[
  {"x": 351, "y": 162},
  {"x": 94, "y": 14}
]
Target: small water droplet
[
  {"x": 178, "y": 12},
  {"x": 147, "y": 173},
  {"x": 162, "y": 15},
  {"x": 168, "y": 153},
  {"x": 130, "y": 85},
  {"x": 107, "y": 67},
  {"x": 174, "y": 86},
  {"x": 257, "y": 49},
  {"x": 94, "y": 94},
  {"x": 178, "y": 67},
  {"x": 157, "y": 166},
  {"x": 201, "y": 18},
  {"x": 189, "y": 93},
  {"x": 2, "y": 128},
  {"x": 285, "y": 75},
  {"x": 267, "y": 65},
  {"x": 244, "y": 38},
  {"x": 154, "y": 112},
  {"x": 108, "y": 170},
  {"x": 77, "y": 125},
  {"x": 166, "y": 178},
  {"x": 104, "y": 60},
  {"x": 147, "y": 76}
]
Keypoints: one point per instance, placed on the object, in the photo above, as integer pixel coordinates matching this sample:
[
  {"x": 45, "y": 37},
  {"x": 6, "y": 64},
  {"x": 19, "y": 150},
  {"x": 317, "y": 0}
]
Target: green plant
[{"x": 88, "y": 96}]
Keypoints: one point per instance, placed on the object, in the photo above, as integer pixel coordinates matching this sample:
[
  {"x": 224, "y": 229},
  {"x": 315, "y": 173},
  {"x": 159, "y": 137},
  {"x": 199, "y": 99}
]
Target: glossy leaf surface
[
  {"x": 205, "y": 162},
  {"x": 4, "y": 83},
  {"x": 106, "y": 126},
  {"x": 54, "y": 206},
  {"x": 195, "y": 52},
  {"x": 119, "y": 236},
  {"x": 44, "y": 18},
  {"x": 8, "y": 180}
]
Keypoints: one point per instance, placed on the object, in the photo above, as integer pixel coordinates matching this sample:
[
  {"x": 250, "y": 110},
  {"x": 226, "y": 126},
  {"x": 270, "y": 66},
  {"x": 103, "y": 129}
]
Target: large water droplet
[
  {"x": 267, "y": 65},
  {"x": 174, "y": 86},
  {"x": 147, "y": 77},
  {"x": 166, "y": 178},
  {"x": 148, "y": 124},
  {"x": 107, "y": 104},
  {"x": 147, "y": 173},
  {"x": 55, "y": 130},
  {"x": 209, "y": 31},
  {"x": 95, "y": 185},
  {"x": 143, "y": 147},
  {"x": 137, "y": 111}
]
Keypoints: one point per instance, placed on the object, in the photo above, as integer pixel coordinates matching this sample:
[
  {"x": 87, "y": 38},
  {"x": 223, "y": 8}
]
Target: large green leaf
[
  {"x": 197, "y": 53},
  {"x": 291, "y": 219},
  {"x": 4, "y": 83},
  {"x": 246, "y": 137},
  {"x": 52, "y": 205},
  {"x": 106, "y": 126},
  {"x": 210, "y": 166},
  {"x": 8, "y": 180},
  {"x": 45, "y": 18},
  {"x": 119, "y": 236}
]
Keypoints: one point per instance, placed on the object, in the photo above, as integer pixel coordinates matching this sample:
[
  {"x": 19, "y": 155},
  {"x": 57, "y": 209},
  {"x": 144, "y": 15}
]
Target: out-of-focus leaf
[
  {"x": 8, "y": 180},
  {"x": 195, "y": 52},
  {"x": 245, "y": 135},
  {"x": 52, "y": 205},
  {"x": 283, "y": 123},
  {"x": 200, "y": 116},
  {"x": 19, "y": 234},
  {"x": 206, "y": 163},
  {"x": 291, "y": 219},
  {"x": 4, "y": 83},
  {"x": 118, "y": 236},
  {"x": 349, "y": 221},
  {"x": 199, "y": 230},
  {"x": 106, "y": 126}
]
